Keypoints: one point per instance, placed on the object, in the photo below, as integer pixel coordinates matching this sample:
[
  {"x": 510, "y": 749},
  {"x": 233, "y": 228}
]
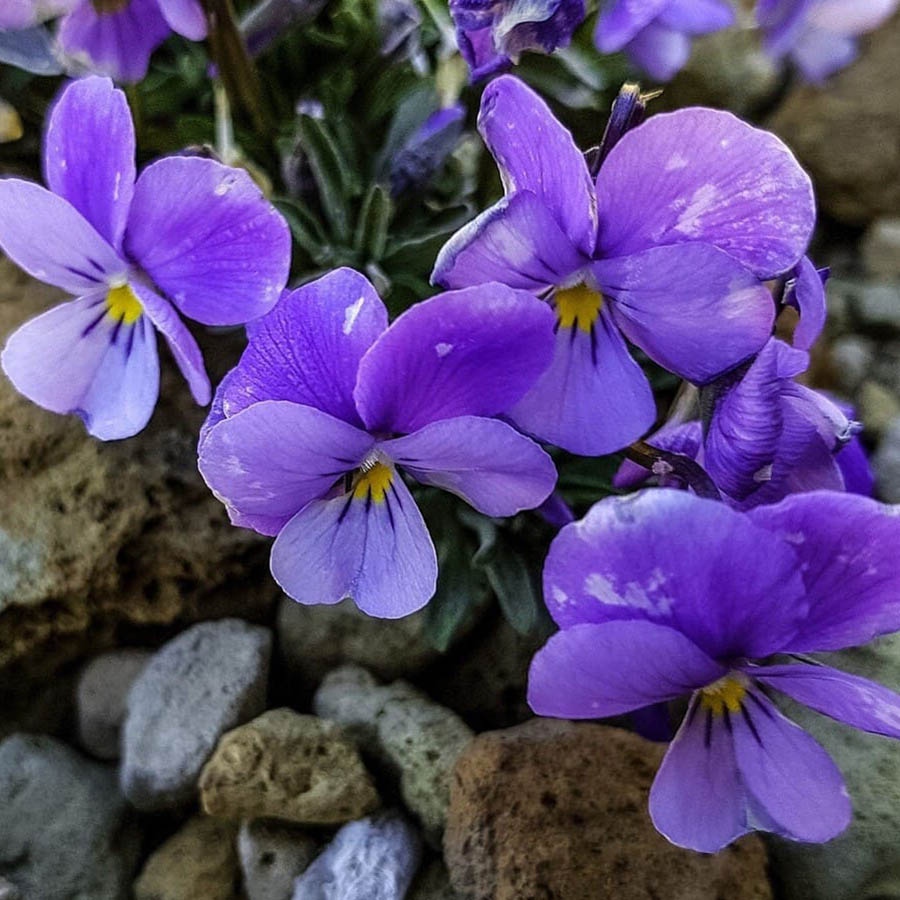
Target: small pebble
[
  {"x": 371, "y": 859},
  {"x": 272, "y": 855},
  {"x": 203, "y": 682}
]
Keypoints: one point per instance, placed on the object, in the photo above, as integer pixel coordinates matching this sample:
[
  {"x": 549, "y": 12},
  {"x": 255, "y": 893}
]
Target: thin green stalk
[{"x": 235, "y": 68}]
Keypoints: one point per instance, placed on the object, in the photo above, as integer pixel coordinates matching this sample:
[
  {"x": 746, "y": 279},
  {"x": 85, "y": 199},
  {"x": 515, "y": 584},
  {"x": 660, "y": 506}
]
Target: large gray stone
[
  {"x": 65, "y": 830},
  {"x": 8, "y": 891},
  {"x": 205, "y": 681},
  {"x": 864, "y": 862},
  {"x": 371, "y": 859},
  {"x": 272, "y": 855},
  {"x": 101, "y": 698},
  {"x": 419, "y": 740}
]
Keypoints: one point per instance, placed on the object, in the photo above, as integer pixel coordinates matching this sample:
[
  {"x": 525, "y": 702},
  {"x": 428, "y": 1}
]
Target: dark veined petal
[{"x": 371, "y": 545}]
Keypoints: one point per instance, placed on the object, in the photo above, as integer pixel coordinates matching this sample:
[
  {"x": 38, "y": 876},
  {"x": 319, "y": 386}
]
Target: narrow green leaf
[
  {"x": 372, "y": 225},
  {"x": 513, "y": 581},
  {"x": 305, "y": 228},
  {"x": 328, "y": 167}
]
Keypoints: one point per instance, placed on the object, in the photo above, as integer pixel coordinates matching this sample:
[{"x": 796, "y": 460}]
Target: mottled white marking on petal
[
  {"x": 351, "y": 313},
  {"x": 676, "y": 161},
  {"x": 442, "y": 349}
]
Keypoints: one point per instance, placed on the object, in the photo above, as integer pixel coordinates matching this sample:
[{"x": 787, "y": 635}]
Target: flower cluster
[
  {"x": 677, "y": 243},
  {"x": 110, "y": 37},
  {"x": 819, "y": 36}
]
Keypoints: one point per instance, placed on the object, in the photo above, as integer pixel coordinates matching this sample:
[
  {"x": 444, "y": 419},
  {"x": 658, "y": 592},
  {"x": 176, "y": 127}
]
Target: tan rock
[
  {"x": 558, "y": 811},
  {"x": 94, "y": 535},
  {"x": 284, "y": 765},
  {"x": 198, "y": 861},
  {"x": 847, "y": 132}
]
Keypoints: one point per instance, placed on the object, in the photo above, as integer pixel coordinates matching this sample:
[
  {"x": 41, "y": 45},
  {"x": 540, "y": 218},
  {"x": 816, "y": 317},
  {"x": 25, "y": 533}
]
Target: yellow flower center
[
  {"x": 373, "y": 482},
  {"x": 725, "y": 694},
  {"x": 122, "y": 305},
  {"x": 579, "y": 306}
]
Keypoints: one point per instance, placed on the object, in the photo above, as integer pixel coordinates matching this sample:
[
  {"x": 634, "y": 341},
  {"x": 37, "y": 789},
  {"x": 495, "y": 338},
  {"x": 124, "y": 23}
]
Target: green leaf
[
  {"x": 513, "y": 581},
  {"x": 328, "y": 168},
  {"x": 306, "y": 229},
  {"x": 372, "y": 225}
]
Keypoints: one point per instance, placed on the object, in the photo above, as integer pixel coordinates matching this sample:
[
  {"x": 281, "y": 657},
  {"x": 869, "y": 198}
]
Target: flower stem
[
  {"x": 235, "y": 68},
  {"x": 662, "y": 462}
]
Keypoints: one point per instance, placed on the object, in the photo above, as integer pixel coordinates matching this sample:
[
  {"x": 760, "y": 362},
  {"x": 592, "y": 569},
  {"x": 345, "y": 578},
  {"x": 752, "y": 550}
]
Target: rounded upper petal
[
  {"x": 45, "y": 235},
  {"x": 704, "y": 175},
  {"x": 378, "y": 552},
  {"x": 185, "y": 17},
  {"x": 660, "y": 51},
  {"x": 89, "y": 154},
  {"x": 486, "y": 462},
  {"x": 79, "y": 358},
  {"x": 210, "y": 240},
  {"x": 593, "y": 671},
  {"x": 847, "y": 548},
  {"x": 850, "y": 18},
  {"x": 118, "y": 44},
  {"x": 678, "y": 560},
  {"x": 469, "y": 352},
  {"x": 536, "y": 153},
  {"x": 308, "y": 348}
]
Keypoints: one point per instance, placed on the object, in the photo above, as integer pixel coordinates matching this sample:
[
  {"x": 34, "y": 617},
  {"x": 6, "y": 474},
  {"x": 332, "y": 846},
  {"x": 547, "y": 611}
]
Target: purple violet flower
[
  {"x": 663, "y": 594},
  {"x": 819, "y": 36},
  {"x": 492, "y": 34},
  {"x": 111, "y": 37},
  {"x": 308, "y": 434},
  {"x": 667, "y": 248},
  {"x": 656, "y": 34},
  {"x": 189, "y": 229},
  {"x": 764, "y": 436}
]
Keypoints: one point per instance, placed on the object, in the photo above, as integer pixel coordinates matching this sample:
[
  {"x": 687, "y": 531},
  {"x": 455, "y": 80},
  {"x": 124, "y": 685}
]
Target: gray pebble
[
  {"x": 881, "y": 247},
  {"x": 416, "y": 738},
  {"x": 8, "y": 891},
  {"x": 202, "y": 683},
  {"x": 852, "y": 357},
  {"x": 272, "y": 855},
  {"x": 371, "y": 859},
  {"x": 101, "y": 696},
  {"x": 65, "y": 830},
  {"x": 875, "y": 303}
]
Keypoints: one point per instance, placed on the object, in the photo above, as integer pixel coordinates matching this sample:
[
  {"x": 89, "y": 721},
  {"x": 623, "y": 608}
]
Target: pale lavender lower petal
[
  {"x": 807, "y": 294},
  {"x": 89, "y": 154},
  {"x": 516, "y": 242},
  {"x": 274, "y": 457},
  {"x": 848, "y": 698},
  {"x": 209, "y": 239},
  {"x": 788, "y": 774},
  {"x": 851, "y": 18},
  {"x": 484, "y": 461},
  {"x": 75, "y": 358},
  {"x": 378, "y": 553},
  {"x": 470, "y": 352},
  {"x": 819, "y": 53},
  {"x": 184, "y": 16},
  {"x": 697, "y": 800},
  {"x": 181, "y": 342},
  {"x": 51, "y": 240},
  {"x": 847, "y": 545},
  {"x": 595, "y": 671},
  {"x": 673, "y": 558},
  {"x": 17, "y": 15},
  {"x": 117, "y": 44},
  {"x": 659, "y": 51},
  {"x": 593, "y": 399},
  {"x": 690, "y": 307}
]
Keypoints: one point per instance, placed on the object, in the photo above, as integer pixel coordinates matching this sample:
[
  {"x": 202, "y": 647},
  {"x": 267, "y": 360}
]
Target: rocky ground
[{"x": 171, "y": 728}]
